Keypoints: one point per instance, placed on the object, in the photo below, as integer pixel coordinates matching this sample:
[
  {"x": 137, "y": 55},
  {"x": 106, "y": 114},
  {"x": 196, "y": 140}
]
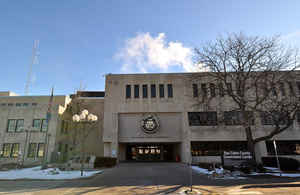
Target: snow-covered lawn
[
  {"x": 219, "y": 172},
  {"x": 37, "y": 173}
]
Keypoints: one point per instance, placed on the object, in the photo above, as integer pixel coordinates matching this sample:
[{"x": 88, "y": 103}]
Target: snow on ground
[
  {"x": 219, "y": 172},
  {"x": 276, "y": 172},
  {"x": 37, "y": 173}
]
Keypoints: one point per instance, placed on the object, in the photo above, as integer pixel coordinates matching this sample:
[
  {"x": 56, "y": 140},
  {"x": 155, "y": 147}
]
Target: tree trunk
[{"x": 250, "y": 143}]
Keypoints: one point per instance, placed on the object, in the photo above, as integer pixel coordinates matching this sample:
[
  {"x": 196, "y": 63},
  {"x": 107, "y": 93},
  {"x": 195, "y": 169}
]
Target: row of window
[
  {"x": 19, "y": 104},
  {"x": 12, "y": 150},
  {"x": 153, "y": 94},
  {"x": 231, "y": 118},
  {"x": 17, "y": 125},
  {"x": 212, "y": 88}
]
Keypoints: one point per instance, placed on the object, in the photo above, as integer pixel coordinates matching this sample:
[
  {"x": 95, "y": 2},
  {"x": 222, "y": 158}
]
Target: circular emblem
[{"x": 150, "y": 124}]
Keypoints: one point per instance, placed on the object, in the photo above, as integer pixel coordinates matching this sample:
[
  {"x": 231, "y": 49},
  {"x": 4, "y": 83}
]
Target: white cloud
[{"x": 145, "y": 53}]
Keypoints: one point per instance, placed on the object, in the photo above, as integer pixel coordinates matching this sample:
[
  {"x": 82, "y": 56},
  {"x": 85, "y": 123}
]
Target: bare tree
[
  {"x": 79, "y": 131},
  {"x": 253, "y": 72}
]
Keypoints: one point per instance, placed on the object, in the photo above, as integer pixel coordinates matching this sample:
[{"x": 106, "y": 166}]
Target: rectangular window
[
  {"x": 34, "y": 104},
  {"x": 11, "y": 125},
  {"x": 236, "y": 118},
  {"x": 10, "y": 104},
  {"x": 282, "y": 89},
  {"x": 284, "y": 147},
  {"x": 128, "y": 91},
  {"x": 31, "y": 150},
  {"x": 161, "y": 91},
  {"x": 6, "y": 150},
  {"x": 20, "y": 125},
  {"x": 229, "y": 88},
  {"x": 59, "y": 147},
  {"x": 203, "y": 90},
  {"x": 212, "y": 89},
  {"x": 145, "y": 91},
  {"x": 41, "y": 148},
  {"x": 291, "y": 87},
  {"x": 15, "y": 150},
  {"x": 44, "y": 125},
  {"x": 221, "y": 90},
  {"x": 66, "y": 148},
  {"x": 170, "y": 90},
  {"x": 202, "y": 118},
  {"x": 153, "y": 91},
  {"x": 298, "y": 87},
  {"x": 18, "y": 104},
  {"x": 273, "y": 118},
  {"x": 36, "y": 124},
  {"x": 136, "y": 91},
  {"x": 25, "y": 104},
  {"x": 62, "y": 127},
  {"x": 195, "y": 90}
]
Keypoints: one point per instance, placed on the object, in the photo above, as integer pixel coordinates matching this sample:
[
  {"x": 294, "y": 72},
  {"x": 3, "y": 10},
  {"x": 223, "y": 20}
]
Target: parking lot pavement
[{"x": 151, "y": 178}]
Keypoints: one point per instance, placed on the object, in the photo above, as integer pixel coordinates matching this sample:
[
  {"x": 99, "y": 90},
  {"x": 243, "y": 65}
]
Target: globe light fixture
[{"x": 84, "y": 116}]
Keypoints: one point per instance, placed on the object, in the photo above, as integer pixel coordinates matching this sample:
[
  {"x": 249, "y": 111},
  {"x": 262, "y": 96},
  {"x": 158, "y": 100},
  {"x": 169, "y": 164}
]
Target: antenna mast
[{"x": 34, "y": 60}]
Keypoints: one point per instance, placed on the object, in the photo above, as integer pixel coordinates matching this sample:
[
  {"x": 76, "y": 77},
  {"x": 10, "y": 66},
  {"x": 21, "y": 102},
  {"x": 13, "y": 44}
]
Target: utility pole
[{"x": 34, "y": 60}]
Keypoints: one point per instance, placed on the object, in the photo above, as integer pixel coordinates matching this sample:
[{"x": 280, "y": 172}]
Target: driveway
[{"x": 151, "y": 178}]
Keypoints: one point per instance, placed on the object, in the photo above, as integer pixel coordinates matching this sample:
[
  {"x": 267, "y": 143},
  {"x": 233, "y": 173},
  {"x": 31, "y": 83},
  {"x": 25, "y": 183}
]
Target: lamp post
[{"x": 84, "y": 118}]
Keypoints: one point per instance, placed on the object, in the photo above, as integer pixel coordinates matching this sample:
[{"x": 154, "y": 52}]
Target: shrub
[
  {"x": 105, "y": 162},
  {"x": 286, "y": 164}
]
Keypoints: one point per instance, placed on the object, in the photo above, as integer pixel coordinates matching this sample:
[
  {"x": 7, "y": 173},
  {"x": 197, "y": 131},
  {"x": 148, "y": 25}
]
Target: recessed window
[
  {"x": 221, "y": 90},
  {"x": 128, "y": 91},
  {"x": 161, "y": 91},
  {"x": 18, "y": 104},
  {"x": 202, "y": 118},
  {"x": 41, "y": 149},
  {"x": 15, "y": 150},
  {"x": 170, "y": 90},
  {"x": 203, "y": 90},
  {"x": 236, "y": 118},
  {"x": 229, "y": 88},
  {"x": 153, "y": 91},
  {"x": 40, "y": 124},
  {"x": 284, "y": 147},
  {"x": 25, "y": 104},
  {"x": 10, "y": 104},
  {"x": 34, "y": 104},
  {"x": 15, "y": 125},
  {"x": 145, "y": 91},
  {"x": 136, "y": 91},
  {"x": 212, "y": 89},
  {"x": 3, "y": 104},
  {"x": 32, "y": 150},
  {"x": 195, "y": 90},
  {"x": 10, "y": 150}
]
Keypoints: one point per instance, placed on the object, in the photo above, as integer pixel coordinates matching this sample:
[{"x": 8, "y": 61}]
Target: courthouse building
[{"x": 143, "y": 117}]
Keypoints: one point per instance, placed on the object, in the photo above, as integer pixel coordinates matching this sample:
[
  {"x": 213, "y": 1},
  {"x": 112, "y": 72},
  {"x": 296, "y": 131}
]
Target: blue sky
[{"x": 80, "y": 41}]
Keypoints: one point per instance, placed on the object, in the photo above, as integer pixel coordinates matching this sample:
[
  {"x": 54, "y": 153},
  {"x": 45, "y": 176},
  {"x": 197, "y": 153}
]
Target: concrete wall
[{"x": 28, "y": 113}]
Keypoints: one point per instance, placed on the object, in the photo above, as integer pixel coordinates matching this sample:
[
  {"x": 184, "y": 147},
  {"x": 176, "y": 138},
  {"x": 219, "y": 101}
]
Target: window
[
  {"x": 153, "y": 91},
  {"x": 195, "y": 90},
  {"x": 36, "y": 124},
  {"x": 15, "y": 150},
  {"x": 298, "y": 87},
  {"x": 25, "y": 104},
  {"x": 136, "y": 91},
  {"x": 236, "y": 118},
  {"x": 128, "y": 91},
  {"x": 18, "y": 104},
  {"x": 291, "y": 88},
  {"x": 66, "y": 148},
  {"x": 40, "y": 124},
  {"x": 216, "y": 148},
  {"x": 161, "y": 91},
  {"x": 145, "y": 91},
  {"x": 10, "y": 104},
  {"x": 3, "y": 104},
  {"x": 34, "y": 104},
  {"x": 282, "y": 90},
  {"x": 274, "y": 92},
  {"x": 221, "y": 90},
  {"x": 229, "y": 88},
  {"x": 40, "y": 151},
  {"x": 20, "y": 125},
  {"x": 212, "y": 89},
  {"x": 11, "y": 125},
  {"x": 59, "y": 147},
  {"x": 44, "y": 125},
  {"x": 15, "y": 125},
  {"x": 6, "y": 150},
  {"x": 31, "y": 150},
  {"x": 272, "y": 118},
  {"x": 284, "y": 147},
  {"x": 202, "y": 118},
  {"x": 203, "y": 90},
  {"x": 170, "y": 90}
]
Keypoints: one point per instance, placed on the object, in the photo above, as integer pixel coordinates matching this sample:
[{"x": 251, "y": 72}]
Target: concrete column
[{"x": 185, "y": 140}]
